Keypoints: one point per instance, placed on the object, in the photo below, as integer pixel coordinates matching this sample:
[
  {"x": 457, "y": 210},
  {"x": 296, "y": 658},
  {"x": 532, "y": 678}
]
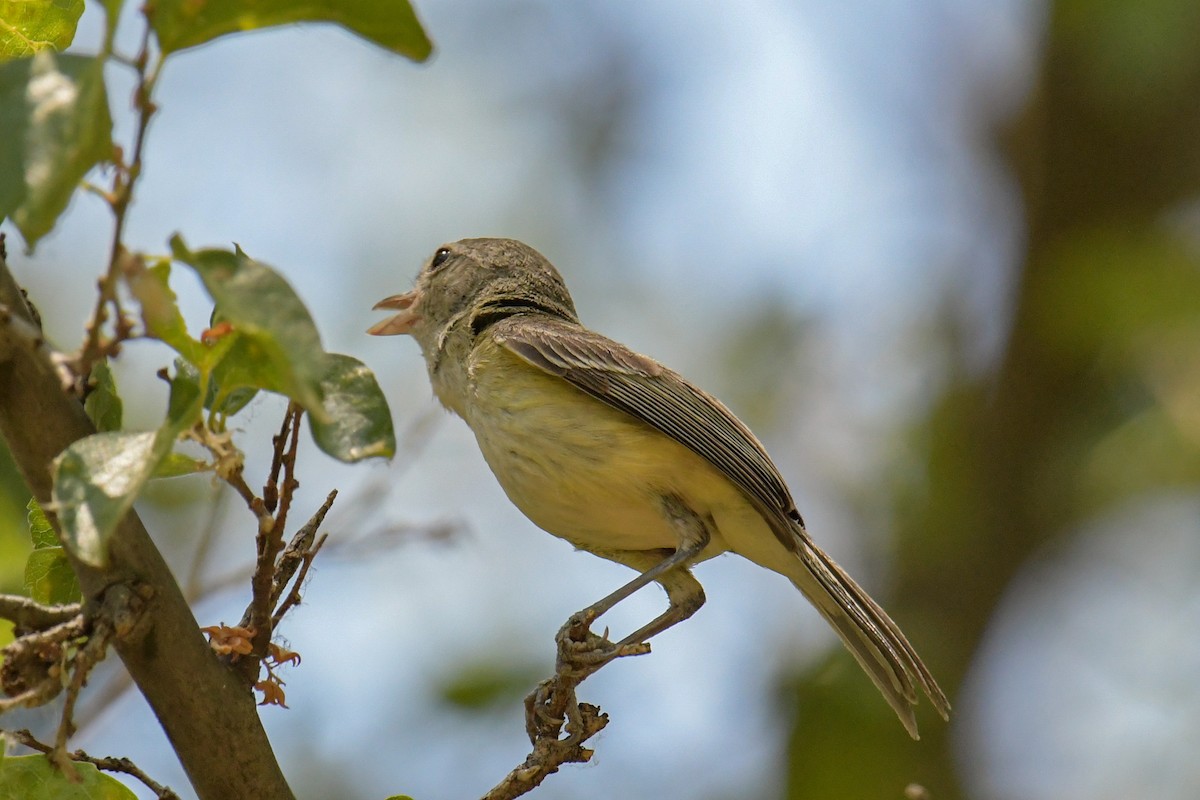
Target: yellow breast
[{"x": 579, "y": 469}]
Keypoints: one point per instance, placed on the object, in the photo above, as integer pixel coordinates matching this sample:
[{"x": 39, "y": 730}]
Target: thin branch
[
  {"x": 253, "y": 501},
  {"x": 42, "y": 661},
  {"x": 34, "y": 663},
  {"x": 121, "y": 195},
  {"x": 269, "y": 543},
  {"x": 290, "y": 484},
  {"x": 91, "y": 653},
  {"x": 25, "y": 614},
  {"x": 553, "y": 707},
  {"x": 293, "y": 597},
  {"x": 271, "y": 488},
  {"x": 107, "y": 763},
  {"x": 300, "y": 548}
]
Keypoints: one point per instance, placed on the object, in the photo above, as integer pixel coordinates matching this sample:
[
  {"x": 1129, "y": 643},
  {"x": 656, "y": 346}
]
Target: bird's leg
[
  {"x": 694, "y": 536},
  {"x": 581, "y": 652},
  {"x": 685, "y": 595}
]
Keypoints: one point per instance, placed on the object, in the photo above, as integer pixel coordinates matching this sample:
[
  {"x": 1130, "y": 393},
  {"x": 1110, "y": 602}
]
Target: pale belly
[{"x": 591, "y": 474}]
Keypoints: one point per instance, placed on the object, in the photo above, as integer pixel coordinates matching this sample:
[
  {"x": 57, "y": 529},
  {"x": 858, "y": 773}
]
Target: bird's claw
[
  {"x": 539, "y": 721},
  {"x": 582, "y": 652}
]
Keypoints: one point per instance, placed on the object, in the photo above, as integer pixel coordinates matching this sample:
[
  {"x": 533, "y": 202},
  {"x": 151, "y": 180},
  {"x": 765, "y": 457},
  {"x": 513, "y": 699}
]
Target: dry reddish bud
[
  {"x": 212, "y": 335},
  {"x": 229, "y": 639},
  {"x": 281, "y": 655},
  {"x": 272, "y": 690}
]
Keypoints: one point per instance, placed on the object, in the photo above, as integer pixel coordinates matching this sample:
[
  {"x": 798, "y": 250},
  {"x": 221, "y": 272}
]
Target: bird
[{"x": 621, "y": 456}]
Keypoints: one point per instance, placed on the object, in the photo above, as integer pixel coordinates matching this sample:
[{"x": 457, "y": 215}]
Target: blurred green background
[{"x": 945, "y": 259}]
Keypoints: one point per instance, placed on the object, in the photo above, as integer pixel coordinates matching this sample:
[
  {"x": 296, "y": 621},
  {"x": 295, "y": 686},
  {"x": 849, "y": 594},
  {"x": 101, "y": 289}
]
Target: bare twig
[
  {"x": 290, "y": 484},
  {"x": 271, "y": 488},
  {"x": 39, "y": 663},
  {"x": 25, "y": 614},
  {"x": 120, "y": 196},
  {"x": 293, "y": 597},
  {"x": 299, "y": 551},
  {"x": 106, "y": 763},
  {"x": 270, "y": 541},
  {"x": 34, "y": 663},
  {"x": 553, "y": 707}
]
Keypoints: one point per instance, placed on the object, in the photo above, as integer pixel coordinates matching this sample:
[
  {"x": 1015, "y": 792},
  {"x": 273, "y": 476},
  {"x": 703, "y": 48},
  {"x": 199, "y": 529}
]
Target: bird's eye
[{"x": 439, "y": 257}]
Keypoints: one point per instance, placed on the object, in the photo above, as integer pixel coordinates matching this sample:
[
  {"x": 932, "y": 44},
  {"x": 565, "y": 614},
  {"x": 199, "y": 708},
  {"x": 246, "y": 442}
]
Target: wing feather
[{"x": 648, "y": 391}]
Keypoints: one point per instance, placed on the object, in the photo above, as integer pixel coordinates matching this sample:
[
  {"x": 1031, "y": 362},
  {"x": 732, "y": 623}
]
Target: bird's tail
[{"x": 868, "y": 633}]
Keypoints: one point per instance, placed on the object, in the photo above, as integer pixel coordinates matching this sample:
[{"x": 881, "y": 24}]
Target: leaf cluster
[{"x": 58, "y": 130}]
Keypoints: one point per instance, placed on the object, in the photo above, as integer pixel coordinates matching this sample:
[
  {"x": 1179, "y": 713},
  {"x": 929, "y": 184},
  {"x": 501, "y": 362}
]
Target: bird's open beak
[{"x": 407, "y": 304}]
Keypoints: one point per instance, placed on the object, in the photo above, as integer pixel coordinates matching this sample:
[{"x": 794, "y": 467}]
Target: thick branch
[{"x": 208, "y": 715}]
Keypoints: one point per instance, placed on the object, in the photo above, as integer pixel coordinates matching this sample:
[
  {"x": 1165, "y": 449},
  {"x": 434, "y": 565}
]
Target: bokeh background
[{"x": 943, "y": 256}]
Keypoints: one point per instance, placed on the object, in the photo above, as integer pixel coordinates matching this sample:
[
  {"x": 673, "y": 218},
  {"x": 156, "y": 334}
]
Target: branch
[
  {"x": 210, "y": 718},
  {"x": 25, "y": 614},
  {"x": 553, "y": 706},
  {"x": 125, "y": 176},
  {"x": 108, "y": 763}
]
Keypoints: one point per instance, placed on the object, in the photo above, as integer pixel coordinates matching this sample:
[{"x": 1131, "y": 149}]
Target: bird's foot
[{"x": 581, "y": 652}]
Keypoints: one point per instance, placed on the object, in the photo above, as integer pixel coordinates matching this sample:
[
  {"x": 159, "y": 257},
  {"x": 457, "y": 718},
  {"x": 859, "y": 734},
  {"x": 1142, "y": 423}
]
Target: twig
[
  {"x": 290, "y": 484},
  {"x": 300, "y": 549},
  {"x": 293, "y": 597},
  {"x": 25, "y": 614},
  {"x": 270, "y": 542},
  {"x": 37, "y": 664},
  {"x": 554, "y": 706},
  {"x": 33, "y": 664},
  {"x": 106, "y": 763},
  {"x": 271, "y": 488},
  {"x": 124, "y": 178}
]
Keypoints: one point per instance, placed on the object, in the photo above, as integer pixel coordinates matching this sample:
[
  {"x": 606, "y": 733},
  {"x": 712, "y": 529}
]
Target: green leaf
[
  {"x": 388, "y": 23},
  {"x": 217, "y": 399},
  {"x": 360, "y": 423},
  {"x": 274, "y": 343},
  {"x": 97, "y": 478},
  {"x": 30, "y": 26},
  {"x": 103, "y": 404},
  {"x": 35, "y": 778},
  {"x": 54, "y": 115},
  {"x": 231, "y": 402},
  {"x": 40, "y": 531},
  {"x": 49, "y": 578},
  {"x": 176, "y": 465},
  {"x": 160, "y": 311}
]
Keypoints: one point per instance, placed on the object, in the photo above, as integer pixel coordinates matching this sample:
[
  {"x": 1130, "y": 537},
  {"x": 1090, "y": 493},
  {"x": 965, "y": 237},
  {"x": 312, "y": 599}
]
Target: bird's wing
[{"x": 648, "y": 391}]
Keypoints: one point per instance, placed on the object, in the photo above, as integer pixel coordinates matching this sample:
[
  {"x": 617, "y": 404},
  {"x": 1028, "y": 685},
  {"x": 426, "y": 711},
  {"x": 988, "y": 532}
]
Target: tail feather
[{"x": 870, "y": 635}]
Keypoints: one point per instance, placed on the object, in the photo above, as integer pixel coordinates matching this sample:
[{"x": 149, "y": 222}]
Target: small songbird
[{"x": 619, "y": 455}]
